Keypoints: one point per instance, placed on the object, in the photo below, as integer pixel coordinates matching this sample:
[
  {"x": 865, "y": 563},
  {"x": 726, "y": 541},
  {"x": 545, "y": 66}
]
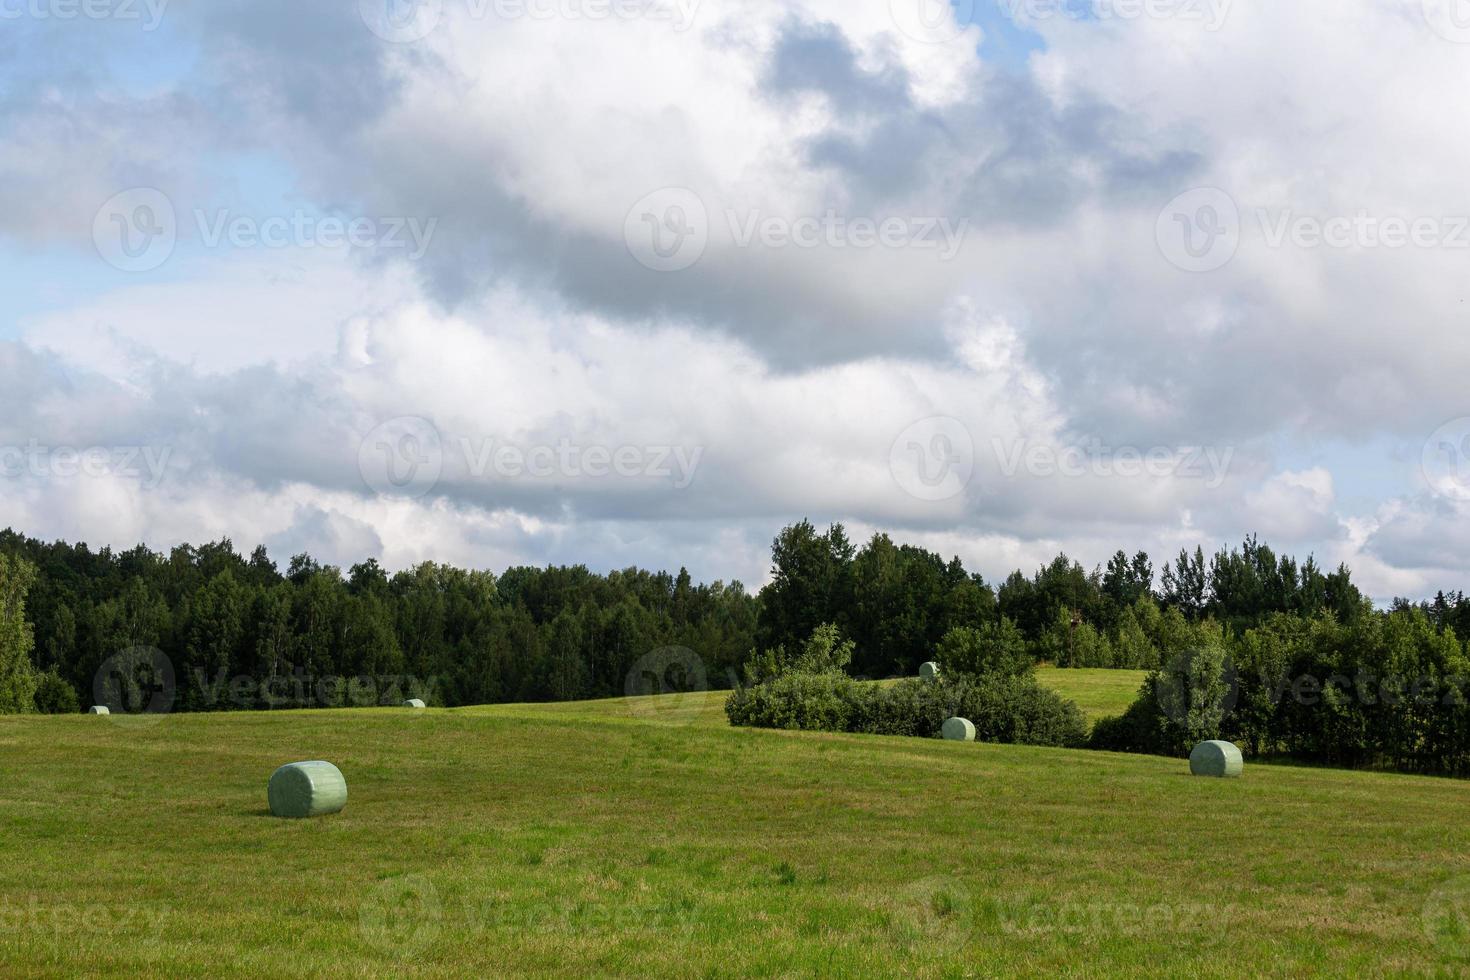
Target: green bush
[
  {"x": 824, "y": 652},
  {"x": 994, "y": 648},
  {"x": 801, "y": 702},
  {"x": 1004, "y": 709},
  {"x": 54, "y": 696}
]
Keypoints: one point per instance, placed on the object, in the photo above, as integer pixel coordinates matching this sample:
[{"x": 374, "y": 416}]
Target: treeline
[
  {"x": 238, "y": 633},
  {"x": 1388, "y": 690},
  {"x": 897, "y": 602}
]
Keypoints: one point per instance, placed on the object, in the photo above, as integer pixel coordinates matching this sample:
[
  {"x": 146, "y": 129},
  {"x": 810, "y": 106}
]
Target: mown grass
[{"x": 647, "y": 837}]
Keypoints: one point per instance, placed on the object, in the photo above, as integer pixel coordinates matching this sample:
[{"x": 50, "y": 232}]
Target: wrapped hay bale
[
  {"x": 929, "y": 671},
  {"x": 99, "y": 709},
  {"x": 1216, "y": 758},
  {"x": 413, "y": 703},
  {"x": 307, "y": 789},
  {"x": 959, "y": 730}
]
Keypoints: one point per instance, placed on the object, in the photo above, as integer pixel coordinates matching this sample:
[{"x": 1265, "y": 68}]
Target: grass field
[{"x": 635, "y": 837}]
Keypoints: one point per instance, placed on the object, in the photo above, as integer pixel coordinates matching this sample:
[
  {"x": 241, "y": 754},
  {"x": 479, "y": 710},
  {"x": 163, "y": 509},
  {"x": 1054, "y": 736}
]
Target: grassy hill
[{"x": 647, "y": 836}]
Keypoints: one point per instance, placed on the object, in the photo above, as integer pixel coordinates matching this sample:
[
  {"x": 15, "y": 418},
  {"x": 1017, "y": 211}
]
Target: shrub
[
  {"x": 995, "y": 648},
  {"x": 1003, "y": 709},
  {"x": 801, "y": 702},
  {"x": 824, "y": 652},
  {"x": 54, "y": 696}
]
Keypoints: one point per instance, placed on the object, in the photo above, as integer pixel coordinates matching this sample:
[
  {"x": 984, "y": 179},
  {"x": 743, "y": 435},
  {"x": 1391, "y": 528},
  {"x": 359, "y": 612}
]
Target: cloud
[{"x": 1082, "y": 390}]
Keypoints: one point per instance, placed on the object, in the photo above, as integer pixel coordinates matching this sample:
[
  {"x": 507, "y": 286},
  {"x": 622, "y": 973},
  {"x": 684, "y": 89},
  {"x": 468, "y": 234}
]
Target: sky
[{"x": 618, "y": 282}]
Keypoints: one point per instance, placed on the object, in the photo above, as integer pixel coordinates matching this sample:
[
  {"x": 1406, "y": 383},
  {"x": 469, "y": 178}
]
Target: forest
[{"x": 239, "y": 632}]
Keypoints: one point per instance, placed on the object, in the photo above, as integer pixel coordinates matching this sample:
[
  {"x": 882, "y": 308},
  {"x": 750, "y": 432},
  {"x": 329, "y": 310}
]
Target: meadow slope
[{"x": 646, "y": 836}]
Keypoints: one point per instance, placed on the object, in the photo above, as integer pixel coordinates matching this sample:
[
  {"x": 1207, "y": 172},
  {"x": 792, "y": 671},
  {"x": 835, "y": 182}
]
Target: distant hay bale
[
  {"x": 99, "y": 709},
  {"x": 929, "y": 671},
  {"x": 413, "y": 703},
  {"x": 307, "y": 789},
  {"x": 1216, "y": 758},
  {"x": 959, "y": 730}
]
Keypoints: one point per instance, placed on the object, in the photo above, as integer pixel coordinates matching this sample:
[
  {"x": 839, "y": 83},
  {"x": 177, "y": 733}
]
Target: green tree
[
  {"x": 992, "y": 648},
  {"x": 17, "y": 675}
]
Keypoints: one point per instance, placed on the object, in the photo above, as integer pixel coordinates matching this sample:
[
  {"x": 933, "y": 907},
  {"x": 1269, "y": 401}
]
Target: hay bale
[
  {"x": 307, "y": 789},
  {"x": 414, "y": 703},
  {"x": 99, "y": 709},
  {"x": 1221, "y": 759},
  {"x": 959, "y": 730},
  {"x": 929, "y": 671}
]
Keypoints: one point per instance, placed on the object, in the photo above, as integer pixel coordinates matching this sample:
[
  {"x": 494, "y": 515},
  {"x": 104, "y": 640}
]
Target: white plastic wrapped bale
[
  {"x": 307, "y": 789},
  {"x": 1214, "y": 758},
  {"x": 414, "y": 703},
  {"x": 99, "y": 709},
  {"x": 958, "y": 730},
  {"x": 929, "y": 671}
]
